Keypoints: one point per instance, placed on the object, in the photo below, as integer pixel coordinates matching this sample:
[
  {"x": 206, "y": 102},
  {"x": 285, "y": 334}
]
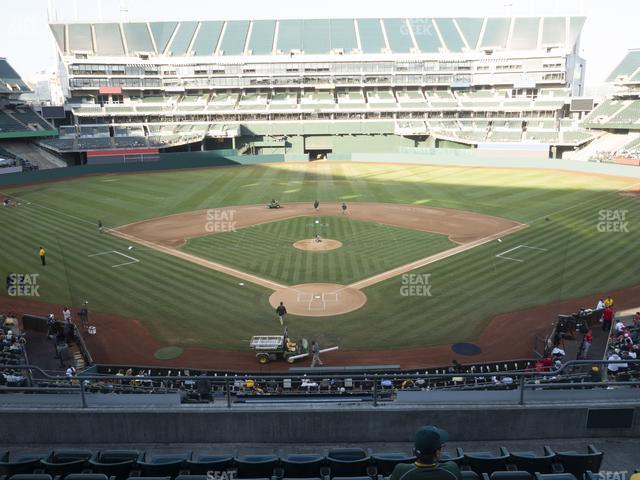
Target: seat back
[
  {"x": 532, "y": 463},
  {"x": 86, "y": 476},
  {"x": 22, "y": 464},
  {"x": 168, "y": 464},
  {"x": 386, "y": 462},
  {"x": 578, "y": 463},
  {"x": 511, "y": 475},
  {"x": 210, "y": 463},
  {"x": 256, "y": 466},
  {"x": 117, "y": 456},
  {"x": 303, "y": 466},
  {"x": 485, "y": 462}
]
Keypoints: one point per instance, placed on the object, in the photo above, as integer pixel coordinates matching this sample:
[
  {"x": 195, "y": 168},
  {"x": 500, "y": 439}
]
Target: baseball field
[{"x": 423, "y": 257}]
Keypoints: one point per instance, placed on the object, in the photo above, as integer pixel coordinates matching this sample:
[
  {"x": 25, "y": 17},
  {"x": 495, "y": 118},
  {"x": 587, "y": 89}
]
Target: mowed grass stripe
[
  {"x": 368, "y": 249},
  {"x": 468, "y": 289}
]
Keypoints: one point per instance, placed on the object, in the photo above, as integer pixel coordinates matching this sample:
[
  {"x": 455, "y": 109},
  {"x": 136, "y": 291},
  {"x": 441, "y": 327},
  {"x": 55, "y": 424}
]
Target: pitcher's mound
[
  {"x": 318, "y": 299},
  {"x": 312, "y": 245}
]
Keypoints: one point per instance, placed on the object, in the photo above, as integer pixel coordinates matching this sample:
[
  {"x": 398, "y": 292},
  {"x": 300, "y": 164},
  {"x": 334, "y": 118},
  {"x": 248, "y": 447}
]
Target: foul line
[
  {"x": 367, "y": 282},
  {"x": 201, "y": 261},
  {"x": 359, "y": 285}
]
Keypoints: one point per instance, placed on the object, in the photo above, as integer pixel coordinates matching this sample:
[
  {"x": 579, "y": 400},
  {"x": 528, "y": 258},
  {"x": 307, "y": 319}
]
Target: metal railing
[{"x": 365, "y": 387}]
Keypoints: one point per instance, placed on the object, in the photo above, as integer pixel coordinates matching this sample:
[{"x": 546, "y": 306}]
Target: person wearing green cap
[{"x": 427, "y": 449}]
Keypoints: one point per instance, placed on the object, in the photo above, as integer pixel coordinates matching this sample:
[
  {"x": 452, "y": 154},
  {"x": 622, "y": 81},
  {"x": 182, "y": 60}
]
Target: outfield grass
[
  {"x": 185, "y": 304},
  {"x": 368, "y": 248}
]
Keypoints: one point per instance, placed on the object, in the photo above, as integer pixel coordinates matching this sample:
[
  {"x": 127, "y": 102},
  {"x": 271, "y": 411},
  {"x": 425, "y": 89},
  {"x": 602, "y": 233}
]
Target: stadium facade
[
  {"x": 19, "y": 123},
  {"x": 316, "y": 87}
]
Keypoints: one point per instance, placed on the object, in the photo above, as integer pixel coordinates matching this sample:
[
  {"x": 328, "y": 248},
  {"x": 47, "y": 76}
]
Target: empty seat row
[{"x": 345, "y": 462}]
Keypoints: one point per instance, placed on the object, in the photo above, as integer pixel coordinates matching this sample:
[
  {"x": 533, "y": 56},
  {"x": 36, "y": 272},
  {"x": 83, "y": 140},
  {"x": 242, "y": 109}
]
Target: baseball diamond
[{"x": 207, "y": 291}]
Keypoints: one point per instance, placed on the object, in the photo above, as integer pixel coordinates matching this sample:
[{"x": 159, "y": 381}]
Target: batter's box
[
  {"x": 330, "y": 296},
  {"x": 304, "y": 297}
]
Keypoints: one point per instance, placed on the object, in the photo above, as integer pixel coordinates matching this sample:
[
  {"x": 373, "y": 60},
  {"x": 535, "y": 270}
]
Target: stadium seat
[
  {"x": 532, "y": 463},
  {"x": 205, "y": 463},
  {"x": 448, "y": 457},
  {"x": 555, "y": 476},
  {"x": 348, "y": 462},
  {"x": 65, "y": 462},
  {"x": 87, "y": 476},
  {"x": 193, "y": 477},
  {"x": 512, "y": 475},
  {"x": 386, "y": 462},
  {"x": 256, "y": 466},
  {"x": 31, "y": 476},
  {"x": 485, "y": 462},
  {"x": 166, "y": 464},
  {"x": 24, "y": 463},
  {"x": 469, "y": 475},
  {"x": 579, "y": 463},
  {"x": 114, "y": 463},
  {"x": 149, "y": 478},
  {"x": 302, "y": 465}
]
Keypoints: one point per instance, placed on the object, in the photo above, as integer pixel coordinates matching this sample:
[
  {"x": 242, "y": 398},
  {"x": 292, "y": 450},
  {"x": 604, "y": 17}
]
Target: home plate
[{"x": 317, "y": 296}]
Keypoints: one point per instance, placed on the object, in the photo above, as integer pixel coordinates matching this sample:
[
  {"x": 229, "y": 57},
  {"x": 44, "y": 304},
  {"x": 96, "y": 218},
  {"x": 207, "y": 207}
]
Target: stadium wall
[
  {"x": 168, "y": 161},
  {"x": 303, "y": 424}
]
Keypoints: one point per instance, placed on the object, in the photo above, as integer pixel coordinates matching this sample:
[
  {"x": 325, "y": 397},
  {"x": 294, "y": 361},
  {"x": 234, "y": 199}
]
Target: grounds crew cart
[{"x": 275, "y": 347}]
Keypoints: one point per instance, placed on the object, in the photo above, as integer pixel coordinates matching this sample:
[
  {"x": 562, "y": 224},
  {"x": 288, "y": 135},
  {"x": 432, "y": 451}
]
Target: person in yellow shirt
[{"x": 42, "y": 254}]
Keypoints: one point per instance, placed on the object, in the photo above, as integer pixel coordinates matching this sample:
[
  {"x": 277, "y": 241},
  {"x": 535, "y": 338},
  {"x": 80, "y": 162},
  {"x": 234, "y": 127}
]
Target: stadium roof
[
  {"x": 628, "y": 69},
  {"x": 10, "y": 81},
  {"x": 318, "y": 36}
]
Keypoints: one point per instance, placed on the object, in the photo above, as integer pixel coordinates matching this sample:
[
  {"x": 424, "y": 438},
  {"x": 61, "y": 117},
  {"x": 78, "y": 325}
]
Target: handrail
[
  {"x": 522, "y": 381},
  {"x": 323, "y": 376}
]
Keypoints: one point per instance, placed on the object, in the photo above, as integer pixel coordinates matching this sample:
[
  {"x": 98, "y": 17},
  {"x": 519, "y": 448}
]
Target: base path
[
  {"x": 176, "y": 230},
  {"x": 468, "y": 230}
]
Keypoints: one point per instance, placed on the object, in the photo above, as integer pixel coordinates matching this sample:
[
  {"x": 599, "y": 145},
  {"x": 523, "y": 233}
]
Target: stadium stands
[
  {"x": 338, "y": 463},
  {"x": 360, "y": 70}
]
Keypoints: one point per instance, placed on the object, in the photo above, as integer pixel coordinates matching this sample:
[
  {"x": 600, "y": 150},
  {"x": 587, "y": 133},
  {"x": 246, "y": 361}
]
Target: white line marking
[
  {"x": 133, "y": 260},
  {"x": 501, "y": 254}
]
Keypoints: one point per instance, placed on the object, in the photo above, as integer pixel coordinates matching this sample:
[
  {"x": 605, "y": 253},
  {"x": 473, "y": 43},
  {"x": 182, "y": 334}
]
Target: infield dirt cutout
[{"x": 467, "y": 229}]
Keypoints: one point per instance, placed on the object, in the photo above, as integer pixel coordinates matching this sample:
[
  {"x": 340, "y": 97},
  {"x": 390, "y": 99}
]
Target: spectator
[
  {"x": 619, "y": 327},
  {"x": 600, "y": 305},
  {"x": 608, "y": 302},
  {"x": 66, "y": 315},
  {"x": 587, "y": 340},
  {"x": 71, "y": 372},
  {"x": 428, "y": 446},
  {"x": 614, "y": 368},
  {"x": 607, "y": 319}
]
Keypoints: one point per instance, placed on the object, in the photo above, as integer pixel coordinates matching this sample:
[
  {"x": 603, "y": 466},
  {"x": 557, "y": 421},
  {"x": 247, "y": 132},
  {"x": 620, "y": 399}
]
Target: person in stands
[{"x": 428, "y": 446}]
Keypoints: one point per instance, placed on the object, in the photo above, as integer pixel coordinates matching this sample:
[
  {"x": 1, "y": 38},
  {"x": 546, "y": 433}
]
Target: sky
[{"x": 26, "y": 41}]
